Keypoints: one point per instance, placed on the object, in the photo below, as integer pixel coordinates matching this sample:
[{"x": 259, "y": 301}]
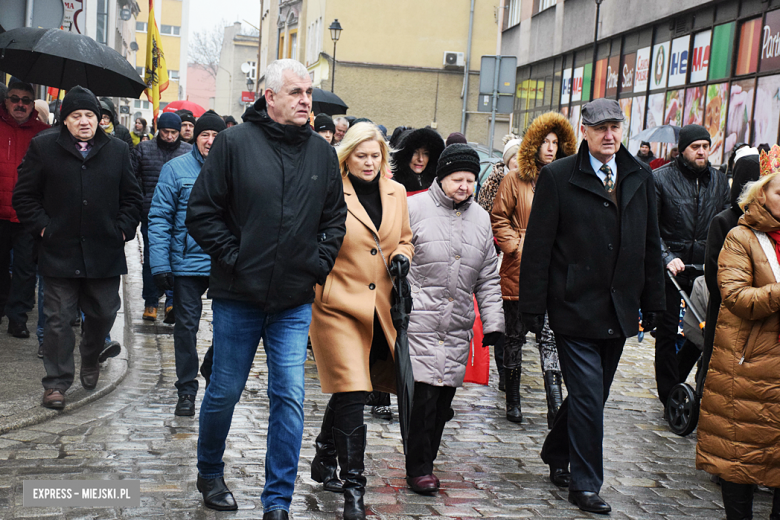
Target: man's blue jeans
[{"x": 238, "y": 328}]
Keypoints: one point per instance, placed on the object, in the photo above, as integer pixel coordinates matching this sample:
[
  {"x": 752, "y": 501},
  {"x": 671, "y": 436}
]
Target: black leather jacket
[{"x": 687, "y": 202}]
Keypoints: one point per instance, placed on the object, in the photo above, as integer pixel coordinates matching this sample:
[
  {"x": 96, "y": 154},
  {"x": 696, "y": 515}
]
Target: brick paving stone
[{"x": 489, "y": 467}]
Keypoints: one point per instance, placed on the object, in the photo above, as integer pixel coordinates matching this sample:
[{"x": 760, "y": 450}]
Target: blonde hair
[
  {"x": 752, "y": 190},
  {"x": 360, "y": 133}
]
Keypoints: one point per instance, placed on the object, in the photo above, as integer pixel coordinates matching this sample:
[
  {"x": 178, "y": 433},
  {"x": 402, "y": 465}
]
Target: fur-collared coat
[
  {"x": 512, "y": 205},
  {"x": 410, "y": 141}
]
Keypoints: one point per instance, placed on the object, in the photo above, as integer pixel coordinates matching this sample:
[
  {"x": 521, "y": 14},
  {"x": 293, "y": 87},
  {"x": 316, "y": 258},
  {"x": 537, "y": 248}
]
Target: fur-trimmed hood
[
  {"x": 410, "y": 141},
  {"x": 534, "y": 137}
]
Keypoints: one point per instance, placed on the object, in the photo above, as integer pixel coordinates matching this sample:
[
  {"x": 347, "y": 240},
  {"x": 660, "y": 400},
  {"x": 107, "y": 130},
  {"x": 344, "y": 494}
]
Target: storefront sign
[
  {"x": 600, "y": 78},
  {"x": 749, "y": 40},
  {"x": 627, "y": 75},
  {"x": 700, "y": 59},
  {"x": 74, "y": 16},
  {"x": 770, "y": 43},
  {"x": 642, "y": 69},
  {"x": 566, "y": 87},
  {"x": 576, "y": 86},
  {"x": 660, "y": 66},
  {"x": 678, "y": 61},
  {"x": 722, "y": 44},
  {"x": 613, "y": 75}
]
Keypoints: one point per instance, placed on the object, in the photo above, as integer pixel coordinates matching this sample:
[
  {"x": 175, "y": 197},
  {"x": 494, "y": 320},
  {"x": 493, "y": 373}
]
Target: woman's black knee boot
[
  {"x": 552, "y": 387},
  {"x": 737, "y": 500},
  {"x": 324, "y": 465},
  {"x": 351, "y": 448},
  {"x": 513, "y": 411}
]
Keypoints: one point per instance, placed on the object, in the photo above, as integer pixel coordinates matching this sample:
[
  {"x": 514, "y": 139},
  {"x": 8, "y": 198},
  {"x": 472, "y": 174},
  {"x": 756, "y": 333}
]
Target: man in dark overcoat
[
  {"x": 77, "y": 191},
  {"x": 591, "y": 260}
]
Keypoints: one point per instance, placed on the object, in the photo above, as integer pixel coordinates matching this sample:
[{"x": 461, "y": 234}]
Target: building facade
[
  {"x": 173, "y": 23},
  {"x": 714, "y": 63},
  {"x": 237, "y": 66}
]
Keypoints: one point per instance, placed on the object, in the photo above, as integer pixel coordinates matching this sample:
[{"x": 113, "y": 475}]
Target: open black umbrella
[
  {"x": 324, "y": 102},
  {"x": 62, "y": 59},
  {"x": 404, "y": 377}
]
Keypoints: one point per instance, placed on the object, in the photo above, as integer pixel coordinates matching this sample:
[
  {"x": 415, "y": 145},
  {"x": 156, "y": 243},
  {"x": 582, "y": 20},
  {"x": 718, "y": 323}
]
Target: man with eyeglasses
[{"x": 18, "y": 125}]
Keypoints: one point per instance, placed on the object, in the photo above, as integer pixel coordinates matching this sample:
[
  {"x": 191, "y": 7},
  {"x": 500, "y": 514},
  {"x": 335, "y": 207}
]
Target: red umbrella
[{"x": 195, "y": 108}]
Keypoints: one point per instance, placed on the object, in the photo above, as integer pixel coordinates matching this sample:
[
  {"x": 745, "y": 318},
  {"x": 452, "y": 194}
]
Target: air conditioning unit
[{"x": 454, "y": 59}]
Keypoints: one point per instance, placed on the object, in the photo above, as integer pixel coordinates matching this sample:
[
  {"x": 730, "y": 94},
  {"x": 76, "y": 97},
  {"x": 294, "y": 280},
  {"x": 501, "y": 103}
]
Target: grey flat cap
[{"x": 600, "y": 111}]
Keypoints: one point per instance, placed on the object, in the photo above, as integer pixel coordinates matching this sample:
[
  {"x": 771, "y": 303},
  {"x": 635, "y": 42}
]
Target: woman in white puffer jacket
[{"x": 454, "y": 259}]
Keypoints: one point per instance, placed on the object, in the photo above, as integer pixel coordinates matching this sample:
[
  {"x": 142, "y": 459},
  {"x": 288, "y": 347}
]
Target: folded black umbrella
[
  {"x": 404, "y": 377},
  {"x": 324, "y": 102},
  {"x": 61, "y": 59}
]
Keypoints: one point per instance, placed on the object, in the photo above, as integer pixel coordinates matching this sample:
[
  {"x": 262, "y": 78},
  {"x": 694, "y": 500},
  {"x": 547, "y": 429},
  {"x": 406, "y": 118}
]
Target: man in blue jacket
[{"x": 178, "y": 263}]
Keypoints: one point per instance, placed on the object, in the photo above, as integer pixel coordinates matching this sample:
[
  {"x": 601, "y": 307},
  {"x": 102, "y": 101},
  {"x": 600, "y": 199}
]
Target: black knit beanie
[
  {"x": 209, "y": 121},
  {"x": 79, "y": 98},
  {"x": 324, "y": 122},
  {"x": 186, "y": 116},
  {"x": 457, "y": 158},
  {"x": 691, "y": 133}
]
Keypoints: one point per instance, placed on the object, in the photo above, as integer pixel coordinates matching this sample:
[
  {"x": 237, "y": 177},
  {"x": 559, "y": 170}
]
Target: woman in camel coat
[
  {"x": 739, "y": 426},
  {"x": 352, "y": 332},
  {"x": 549, "y": 137}
]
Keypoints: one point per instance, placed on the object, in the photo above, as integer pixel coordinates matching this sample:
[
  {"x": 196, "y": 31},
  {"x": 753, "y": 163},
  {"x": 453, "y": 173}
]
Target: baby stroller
[{"x": 682, "y": 408}]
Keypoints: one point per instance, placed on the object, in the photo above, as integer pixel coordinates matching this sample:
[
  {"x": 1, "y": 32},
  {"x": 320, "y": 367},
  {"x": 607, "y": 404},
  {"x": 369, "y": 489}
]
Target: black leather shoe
[
  {"x": 18, "y": 329},
  {"x": 276, "y": 514},
  {"x": 589, "y": 501},
  {"x": 560, "y": 476},
  {"x": 216, "y": 494},
  {"x": 89, "y": 377},
  {"x": 186, "y": 406}
]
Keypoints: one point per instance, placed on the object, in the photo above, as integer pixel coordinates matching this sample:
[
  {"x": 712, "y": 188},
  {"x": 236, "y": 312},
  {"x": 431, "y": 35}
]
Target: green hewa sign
[{"x": 721, "y": 52}]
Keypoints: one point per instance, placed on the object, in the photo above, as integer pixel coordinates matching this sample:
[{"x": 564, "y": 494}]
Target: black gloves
[
  {"x": 533, "y": 322},
  {"x": 164, "y": 281},
  {"x": 649, "y": 321},
  {"x": 399, "y": 266},
  {"x": 493, "y": 338}
]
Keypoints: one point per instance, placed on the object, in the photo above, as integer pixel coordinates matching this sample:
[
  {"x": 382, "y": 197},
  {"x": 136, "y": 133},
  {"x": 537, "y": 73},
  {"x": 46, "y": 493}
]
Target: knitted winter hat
[
  {"x": 691, "y": 133},
  {"x": 457, "y": 158},
  {"x": 186, "y": 115},
  {"x": 511, "y": 148},
  {"x": 79, "y": 98},
  {"x": 324, "y": 122},
  {"x": 455, "y": 137},
  {"x": 169, "y": 120},
  {"x": 209, "y": 121}
]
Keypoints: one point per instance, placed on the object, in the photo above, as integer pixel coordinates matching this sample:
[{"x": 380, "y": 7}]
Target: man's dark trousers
[
  {"x": 588, "y": 367},
  {"x": 17, "y": 292},
  {"x": 98, "y": 299},
  {"x": 666, "y": 362},
  {"x": 188, "y": 307}
]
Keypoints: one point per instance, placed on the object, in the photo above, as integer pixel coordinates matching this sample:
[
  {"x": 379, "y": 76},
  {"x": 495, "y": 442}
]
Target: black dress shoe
[
  {"x": 216, "y": 494},
  {"x": 276, "y": 514},
  {"x": 110, "y": 349},
  {"x": 186, "y": 406},
  {"x": 560, "y": 476},
  {"x": 89, "y": 377},
  {"x": 18, "y": 329},
  {"x": 589, "y": 501}
]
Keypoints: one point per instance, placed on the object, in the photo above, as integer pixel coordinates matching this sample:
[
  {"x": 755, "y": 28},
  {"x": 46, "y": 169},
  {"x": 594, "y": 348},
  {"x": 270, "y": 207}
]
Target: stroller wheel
[{"x": 682, "y": 410}]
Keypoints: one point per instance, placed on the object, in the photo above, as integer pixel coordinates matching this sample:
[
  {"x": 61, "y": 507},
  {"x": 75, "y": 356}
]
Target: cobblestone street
[{"x": 489, "y": 467}]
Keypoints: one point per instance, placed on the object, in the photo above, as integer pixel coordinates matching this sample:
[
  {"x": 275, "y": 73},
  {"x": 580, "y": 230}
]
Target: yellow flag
[{"x": 156, "y": 73}]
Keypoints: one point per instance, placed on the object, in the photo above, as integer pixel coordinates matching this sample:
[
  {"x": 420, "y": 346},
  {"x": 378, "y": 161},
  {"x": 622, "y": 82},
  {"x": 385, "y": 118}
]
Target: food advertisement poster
[
  {"x": 655, "y": 110},
  {"x": 625, "y": 106},
  {"x": 659, "y": 66},
  {"x": 740, "y": 111},
  {"x": 642, "y": 70},
  {"x": 673, "y": 114},
  {"x": 715, "y": 119},
  {"x": 767, "y": 111},
  {"x": 694, "y": 106},
  {"x": 637, "y": 122}
]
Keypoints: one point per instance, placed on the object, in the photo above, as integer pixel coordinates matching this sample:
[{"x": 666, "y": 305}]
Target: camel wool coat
[
  {"x": 342, "y": 324},
  {"x": 739, "y": 426}
]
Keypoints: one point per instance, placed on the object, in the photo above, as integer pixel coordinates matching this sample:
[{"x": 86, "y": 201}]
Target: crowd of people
[{"x": 302, "y": 229}]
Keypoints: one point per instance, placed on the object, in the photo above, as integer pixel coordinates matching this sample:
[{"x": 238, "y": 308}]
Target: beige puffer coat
[
  {"x": 454, "y": 259},
  {"x": 739, "y": 426}
]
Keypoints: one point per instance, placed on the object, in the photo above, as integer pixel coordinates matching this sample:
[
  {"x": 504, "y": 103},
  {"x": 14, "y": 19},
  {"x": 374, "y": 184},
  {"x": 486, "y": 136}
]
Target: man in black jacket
[
  {"x": 76, "y": 190},
  {"x": 591, "y": 260},
  {"x": 689, "y": 193},
  {"x": 268, "y": 207}
]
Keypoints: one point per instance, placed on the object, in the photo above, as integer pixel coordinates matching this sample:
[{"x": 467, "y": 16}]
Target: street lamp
[
  {"x": 595, "y": 49},
  {"x": 250, "y": 85},
  {"x": 335, "y": 34}
]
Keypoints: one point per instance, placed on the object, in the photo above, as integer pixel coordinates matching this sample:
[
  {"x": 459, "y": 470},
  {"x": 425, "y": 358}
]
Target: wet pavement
[{"x": 489, "y": 467}]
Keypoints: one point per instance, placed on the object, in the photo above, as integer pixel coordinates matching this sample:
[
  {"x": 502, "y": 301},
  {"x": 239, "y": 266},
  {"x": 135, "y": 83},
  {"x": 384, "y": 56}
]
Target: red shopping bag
[{"x": 478, "y": 365}]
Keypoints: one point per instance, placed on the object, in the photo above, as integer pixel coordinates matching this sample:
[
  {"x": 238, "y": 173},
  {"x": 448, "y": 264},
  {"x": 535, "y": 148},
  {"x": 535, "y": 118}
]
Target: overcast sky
[{"x": 203, "y": 14}]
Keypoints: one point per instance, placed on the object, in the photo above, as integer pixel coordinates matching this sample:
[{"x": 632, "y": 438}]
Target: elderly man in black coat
[
  {"x": 591, "y": 260},
  {"x": 77, "y": 191}
]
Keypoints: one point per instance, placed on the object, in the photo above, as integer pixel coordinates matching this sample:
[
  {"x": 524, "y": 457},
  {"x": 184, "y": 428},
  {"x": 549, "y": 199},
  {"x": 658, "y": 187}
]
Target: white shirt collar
[{"x": 596, "y": 165}]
